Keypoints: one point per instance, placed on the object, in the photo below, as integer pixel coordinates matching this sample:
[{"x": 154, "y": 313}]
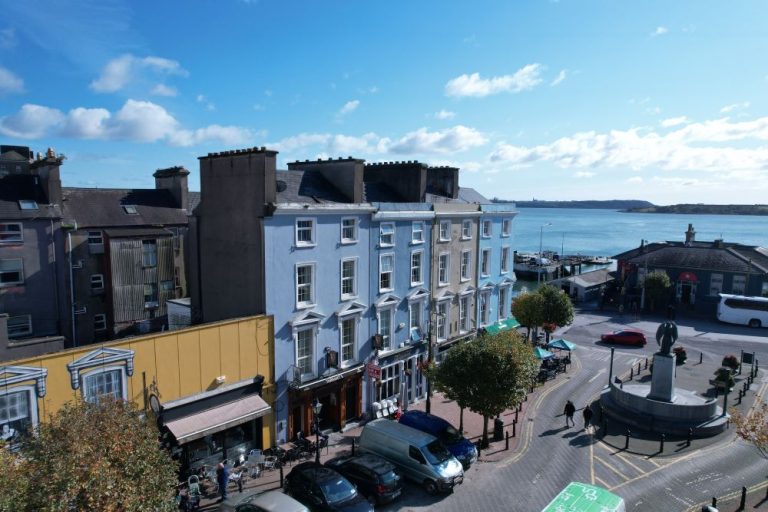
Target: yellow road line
[
  {"x": 624, "y": 458},
  {"x": 729, "y": 496},
  {"x": 609, "y": 466},
  {"x": 649, "y": 459},
  {"x": 602, "y": 482}
]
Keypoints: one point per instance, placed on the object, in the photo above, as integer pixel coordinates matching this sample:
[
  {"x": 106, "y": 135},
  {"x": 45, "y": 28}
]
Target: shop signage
[{"x": 374, "y": 371}]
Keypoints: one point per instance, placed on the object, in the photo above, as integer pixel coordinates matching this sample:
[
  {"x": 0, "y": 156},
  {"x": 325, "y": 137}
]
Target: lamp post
[
  {"x": 430, "y": 353},
  {"x": 316, "y": 408},
  {"x": 541, "y": 241}
]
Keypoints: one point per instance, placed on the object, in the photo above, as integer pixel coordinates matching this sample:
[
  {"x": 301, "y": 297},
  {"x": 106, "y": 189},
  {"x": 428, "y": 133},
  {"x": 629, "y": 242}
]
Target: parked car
[
  {"x": 374, "y": 477},
  {"x": 271, "y": 501},
  {"x": 457, "y": 444},
  {"x": 322, "y": 489},
  {"x": 418, "y": 456},
  {"x": 624, "y": 337}
]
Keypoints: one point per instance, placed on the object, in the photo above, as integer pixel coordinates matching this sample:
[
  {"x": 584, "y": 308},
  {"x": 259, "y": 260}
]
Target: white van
[{"x": 418, "y": 456}]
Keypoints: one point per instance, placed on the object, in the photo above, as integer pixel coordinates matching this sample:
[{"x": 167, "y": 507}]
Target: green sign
[{"x": 578, "y": 497}]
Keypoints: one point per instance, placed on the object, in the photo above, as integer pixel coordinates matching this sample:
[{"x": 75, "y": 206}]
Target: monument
[{"x": 663, "y": 378}]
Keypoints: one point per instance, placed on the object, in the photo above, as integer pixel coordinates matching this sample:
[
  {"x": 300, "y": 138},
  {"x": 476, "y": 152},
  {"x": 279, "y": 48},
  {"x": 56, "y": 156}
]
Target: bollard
[
  {"x": 638, "y": 367},
  {"x": 661, "y": 444},
  {"x": 506, "y": 447},
  {"x": 743, "y": 501},
  {"x": 626, "y": 441},
  {"x": 714, "y": 502},
  {"x": 281, "y": 476},
  {"x": 353, "y": 447},
  {"x": 632, "y": 373},
  {"x": 479, "y": 448},
  {"x": 646, "y": 363},
  {"x": 690, "y": 436},
  {"x": 701, "y": 357},
  {"x": 514, "y": 428},
  {"x": 520, "y": 407},
  {"x": 621, "y": 386},
  {"x": 516, "y": 413},
  {"x": 745, "y": 389},
  {"x": 740, "y": 396}
]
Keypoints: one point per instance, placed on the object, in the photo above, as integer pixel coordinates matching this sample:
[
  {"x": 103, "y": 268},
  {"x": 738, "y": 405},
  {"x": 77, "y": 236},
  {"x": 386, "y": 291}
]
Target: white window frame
[
  {"x": 445, "y": 231},
  {"x": 99, "y": 371},
  {"x": 444, "y": 269},
  {"x": 714, "y": 286},
  {"x": 503, "y": 294},
  {"x": 506, "y": 227},
  {"x": 464, "y": 305},
  {"x": 442, "y": 319},
  {"x": 353, "y": 279},
  {"x": 485, "y": 308},
  {"x": 417, "y": 232},
  {"x": 6, "y": 266},
  {"x": 17, "y": 332},
  {"x": 466, "y": 265},
  {"x": 390, "y": 272},
  {"x": 420, "y": 268},
  {"x": 305, "y": 243},
  {"x": 354, "y": 320},
  {"x": 95, "y": 238},
  {"x": 485, "y": 262},
  {"x": 313, "y": 350},
  {"x": 386, "y": 339},
  {"x": 148, "y": 257},
  {"x": 505, "y": 259},
  {"x": 487, "y": 228},
  {"x": 11, "y": 233},
  {"x": 32, "y": 396},
  {"x": 739, "y": 288},
  {"x": 306, "y": 303},
  {"x": 100, "y": 322},
  {"x": 466, "y": 229},
  {"x": 98, "y": 280},
  {"x": 418, "y": 307},
  {"x": 387, "y": 234},
  {"x": 345, "y": 230}
]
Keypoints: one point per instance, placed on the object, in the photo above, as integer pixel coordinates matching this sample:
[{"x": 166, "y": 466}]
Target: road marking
[
  {"x": 597, "y": 375},
  {"x": 622, "y": 475},
  {"x": 650, "y": 459},
  {"x": 730, "y": 496},
  {"x": 622, "y": 457},
  {"x": 602, "y": 482},
  {"x": 592, "y": 463}
]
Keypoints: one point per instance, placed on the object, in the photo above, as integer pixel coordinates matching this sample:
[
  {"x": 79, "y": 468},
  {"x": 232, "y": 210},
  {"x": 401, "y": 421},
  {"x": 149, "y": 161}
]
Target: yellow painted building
[{"x": 210, "y": 385}]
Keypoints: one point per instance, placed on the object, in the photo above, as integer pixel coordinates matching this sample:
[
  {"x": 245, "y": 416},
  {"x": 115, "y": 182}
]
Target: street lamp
[
  {"x": 316, "y": 407},
  {"x": 541, "y": 241},
  {"x": 430, "y": 353}
]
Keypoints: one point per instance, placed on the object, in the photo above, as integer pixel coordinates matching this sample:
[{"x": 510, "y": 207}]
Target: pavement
[{"x": 519, "y": 425}]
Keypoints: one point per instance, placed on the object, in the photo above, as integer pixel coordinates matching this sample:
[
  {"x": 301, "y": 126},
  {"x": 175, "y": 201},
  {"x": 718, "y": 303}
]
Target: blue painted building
[{"x": 495, "y": 263}]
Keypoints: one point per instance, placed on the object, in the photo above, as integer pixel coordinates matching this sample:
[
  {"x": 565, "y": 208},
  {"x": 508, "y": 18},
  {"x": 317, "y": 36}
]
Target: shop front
[
  {"x": 340, "y": 394},
  {"x": 209, "y": 427},
  {"x": 399, "y": 378}
]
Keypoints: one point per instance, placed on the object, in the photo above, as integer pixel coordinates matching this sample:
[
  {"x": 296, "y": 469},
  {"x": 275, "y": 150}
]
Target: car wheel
[
  {"x": 754, "y": 323},
  {"x": 431, "y": 487}
]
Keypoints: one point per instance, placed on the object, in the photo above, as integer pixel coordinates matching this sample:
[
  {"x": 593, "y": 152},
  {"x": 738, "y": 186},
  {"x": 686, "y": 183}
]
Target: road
[{"x": 551, "y": 456}]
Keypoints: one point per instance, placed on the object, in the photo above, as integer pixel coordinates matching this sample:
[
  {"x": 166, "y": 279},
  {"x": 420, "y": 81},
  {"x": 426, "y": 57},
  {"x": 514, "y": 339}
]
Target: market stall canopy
[
  {"x": 502, "y": 325},
  {"x": 561, "y": 344},
  {"x": 541, "y": 353}
]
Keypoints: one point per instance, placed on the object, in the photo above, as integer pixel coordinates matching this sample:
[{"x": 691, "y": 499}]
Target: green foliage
[
  {"x": 657, "y": 286},
  {"x": 103, "y": 456},
  {"x": 487, "y": 375},
  {"x": 680, "y": 355},
  {"x": 557, "y": 308},
  {"x": 13, "y": 481},
  {"x": 527, "y": 309},
  {"x": 724, "y": 376},
  {"x": 731, "y": 361}
]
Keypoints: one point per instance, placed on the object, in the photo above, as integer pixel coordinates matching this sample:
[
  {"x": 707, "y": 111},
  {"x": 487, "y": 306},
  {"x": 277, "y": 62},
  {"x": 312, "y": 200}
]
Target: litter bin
[{"x": 498, "y": 429}]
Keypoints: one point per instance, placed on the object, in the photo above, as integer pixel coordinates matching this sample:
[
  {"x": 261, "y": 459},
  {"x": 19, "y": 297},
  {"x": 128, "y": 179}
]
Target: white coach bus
[{"x": 738, "y": 309}]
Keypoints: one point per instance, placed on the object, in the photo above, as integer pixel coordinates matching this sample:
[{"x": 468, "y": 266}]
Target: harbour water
[{"x": 609, "y": 232}]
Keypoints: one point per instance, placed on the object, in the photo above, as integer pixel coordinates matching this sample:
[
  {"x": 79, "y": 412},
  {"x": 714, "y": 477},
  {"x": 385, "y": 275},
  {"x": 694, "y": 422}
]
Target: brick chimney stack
[
  {"x": 690, "y": 235},
  {"x": 174, "y": 179}
]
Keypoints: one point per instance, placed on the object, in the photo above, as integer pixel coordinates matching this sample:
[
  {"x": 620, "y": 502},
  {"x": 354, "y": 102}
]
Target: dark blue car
[{"x": 457, "y": 444}]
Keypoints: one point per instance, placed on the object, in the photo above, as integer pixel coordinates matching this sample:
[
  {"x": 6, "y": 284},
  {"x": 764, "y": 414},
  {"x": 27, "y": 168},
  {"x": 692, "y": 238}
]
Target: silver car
[{"x": 271, "y": 501}]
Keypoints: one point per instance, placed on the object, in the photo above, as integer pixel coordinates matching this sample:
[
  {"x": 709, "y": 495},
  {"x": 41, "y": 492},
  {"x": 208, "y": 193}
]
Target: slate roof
[
  {"x": 466, "y": 196},
  {"x": 301, "y": 186},
  {"x": 193, "y": 200},
  {"x": 104, "y": 207},
  {"x": 21, "y": 186},
  {"x": 727, "y": 257}
]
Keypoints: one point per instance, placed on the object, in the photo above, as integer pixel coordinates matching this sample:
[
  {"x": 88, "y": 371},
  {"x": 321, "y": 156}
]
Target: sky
[{"x": 664, "y": 101}]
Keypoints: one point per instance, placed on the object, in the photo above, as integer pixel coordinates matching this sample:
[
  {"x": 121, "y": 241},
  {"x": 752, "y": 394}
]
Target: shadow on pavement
[{"x": 552, "y": 431}]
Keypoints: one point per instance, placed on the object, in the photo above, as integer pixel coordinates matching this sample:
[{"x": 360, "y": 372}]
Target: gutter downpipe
[{"x": 71, "y": 285}]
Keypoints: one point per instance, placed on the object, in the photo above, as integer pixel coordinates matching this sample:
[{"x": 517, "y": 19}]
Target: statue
[{"x": 666, "y": 335}]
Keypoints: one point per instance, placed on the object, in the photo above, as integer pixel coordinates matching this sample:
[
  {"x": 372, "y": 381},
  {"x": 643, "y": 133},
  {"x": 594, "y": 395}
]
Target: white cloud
[
  {"x": 635, "y": 180},
  {"x": 583, "y": 174},
  {"x": 7, "y": 38},
  {"x": 674, "y": 121},
  {"x": 203, "y": 100},
  {"x": 164, "y": 90},
  {"x": 9, "y": 82},
  {"x": 136, "y": 121},
  {"x": 695, "y": 147},
  {"x": 445, "y": 114},
  {"x": 734, "y": 106},
  {"x": 559, "y": 78},
  {"x": 524, "y": 79},
  {"x": 118, "y": 72},
  {"x": 349, "y": 107},
  {"x": 451, "y": 140},
  {"x": 660, "y": 31},
  {"x": 373, "y": 89}
]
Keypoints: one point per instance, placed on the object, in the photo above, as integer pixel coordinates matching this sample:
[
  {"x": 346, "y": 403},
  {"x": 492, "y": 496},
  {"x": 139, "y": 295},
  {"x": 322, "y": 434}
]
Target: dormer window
[
  {"x": 28, "y": 204},
  {"x": 130, "y": 209}
]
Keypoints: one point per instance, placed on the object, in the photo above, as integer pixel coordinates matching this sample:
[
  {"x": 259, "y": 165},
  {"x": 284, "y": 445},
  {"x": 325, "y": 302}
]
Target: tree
[
  {"x": 753, "y": 428},
  {"x": 488, "y": 375},
  {"x": 102, "y": 456},
  {"x": 556, "y": 308},
  {"x": 527, "y": 309},
  {"x": 657, "y": 285}
]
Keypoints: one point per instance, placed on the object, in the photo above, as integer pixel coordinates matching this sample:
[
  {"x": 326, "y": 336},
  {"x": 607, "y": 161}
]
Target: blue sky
[{"x": 664, "y": 101}]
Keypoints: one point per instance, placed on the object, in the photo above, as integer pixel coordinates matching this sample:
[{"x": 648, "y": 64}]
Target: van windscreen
[
  {"x": 436, "y": 453},
  {"x": 450, "y": 435}
]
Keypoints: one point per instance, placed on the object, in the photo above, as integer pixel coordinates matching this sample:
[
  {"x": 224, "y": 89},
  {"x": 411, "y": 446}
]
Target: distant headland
[{"x": 638, "y": 206}]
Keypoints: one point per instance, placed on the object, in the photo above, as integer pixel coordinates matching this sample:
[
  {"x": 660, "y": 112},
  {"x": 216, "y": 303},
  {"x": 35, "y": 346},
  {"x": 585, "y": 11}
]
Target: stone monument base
[{"x": 663, "y": 378}]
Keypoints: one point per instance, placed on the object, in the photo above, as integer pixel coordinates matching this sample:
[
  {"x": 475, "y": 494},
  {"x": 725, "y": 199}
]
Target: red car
[{"x": 624, "y": 337}]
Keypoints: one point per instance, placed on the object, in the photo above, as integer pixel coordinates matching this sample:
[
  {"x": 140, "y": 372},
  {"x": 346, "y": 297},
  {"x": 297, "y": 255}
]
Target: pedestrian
[
  {"x": 569, "y": 410},
  {"x": 222, "y": 478},
  {"x": 587, "y": 416}
]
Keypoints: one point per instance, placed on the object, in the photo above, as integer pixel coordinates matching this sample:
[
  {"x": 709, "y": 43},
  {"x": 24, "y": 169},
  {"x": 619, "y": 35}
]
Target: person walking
[
  {"x": 222, "y": 478},
  {"x": 587, "y": 416},
  {"x": 569, "y": 410}
]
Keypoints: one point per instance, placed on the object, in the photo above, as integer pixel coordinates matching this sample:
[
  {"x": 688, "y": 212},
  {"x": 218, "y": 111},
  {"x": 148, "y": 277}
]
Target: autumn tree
[
  {"x": 556, "y": 308},
  {"x": 657, "y": 286},
  {"x": 527, "y": 309},
  {"x": 487, "y": 375},
  {"x": 753, "y": 428},
  {"x": 104, "y": 456}
]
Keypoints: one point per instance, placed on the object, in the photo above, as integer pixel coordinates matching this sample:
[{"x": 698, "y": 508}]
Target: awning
[
  {"x": 333, "y": 377},
  {"x": 216, "y": 419},
  {"x": 688, "y": 276},
  {"x": 502, "y": 325},
  {"x": 540, "y": 353}
]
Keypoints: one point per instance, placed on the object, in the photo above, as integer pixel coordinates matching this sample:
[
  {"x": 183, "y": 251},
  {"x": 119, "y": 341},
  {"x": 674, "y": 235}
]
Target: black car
[
  {"x": 374, "y": 477},
  {"x": 322, "y": 489}
]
